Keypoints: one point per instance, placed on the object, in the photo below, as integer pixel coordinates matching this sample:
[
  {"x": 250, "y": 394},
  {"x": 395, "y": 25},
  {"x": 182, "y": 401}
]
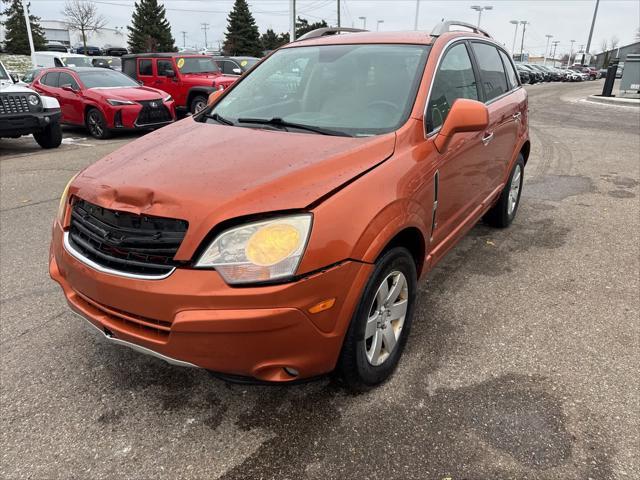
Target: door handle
[
  {"x": 487, "y": 138},
  {"x": 516, "y": 116}
]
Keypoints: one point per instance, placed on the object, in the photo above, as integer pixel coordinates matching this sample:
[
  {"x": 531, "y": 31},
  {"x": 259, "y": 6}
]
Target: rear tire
[
  {"x": 50, "y": 136},
  {"x": 96, "y": 124},
  {"x": 504, "y": 211},
  {"x": 379, "y": 329}
]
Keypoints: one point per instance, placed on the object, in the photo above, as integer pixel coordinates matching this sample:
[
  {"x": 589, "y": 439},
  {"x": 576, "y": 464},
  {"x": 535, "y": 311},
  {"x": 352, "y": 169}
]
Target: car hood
[
  {"x": 129, "y": 93},
  {"x": 206, "y": 173}
]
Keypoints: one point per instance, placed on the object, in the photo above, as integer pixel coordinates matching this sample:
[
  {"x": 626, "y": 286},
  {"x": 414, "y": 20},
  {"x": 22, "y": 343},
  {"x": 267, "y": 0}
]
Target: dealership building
[{"x": 620, "y": 53}]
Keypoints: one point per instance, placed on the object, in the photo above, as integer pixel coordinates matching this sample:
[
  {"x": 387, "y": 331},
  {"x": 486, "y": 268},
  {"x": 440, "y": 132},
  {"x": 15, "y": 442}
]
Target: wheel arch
[
  {"x": 525, "y": 150},
  {"x": 413, "y": 240}
]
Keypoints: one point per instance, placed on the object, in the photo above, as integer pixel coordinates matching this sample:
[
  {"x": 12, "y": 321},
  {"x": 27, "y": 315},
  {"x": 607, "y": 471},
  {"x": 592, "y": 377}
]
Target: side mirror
[
  {"x": 213, "y": 96},
  {"x": 68, "y": 88},
  {"x": 237, "y": 71},
  {"x": 14, "y": 77},
  {"x": 465, "y": 116},
  {"x": 169, "y": 73}
]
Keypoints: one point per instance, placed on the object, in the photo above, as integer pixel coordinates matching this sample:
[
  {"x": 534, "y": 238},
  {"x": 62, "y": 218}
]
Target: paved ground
[{"x": 522, "y": 362}]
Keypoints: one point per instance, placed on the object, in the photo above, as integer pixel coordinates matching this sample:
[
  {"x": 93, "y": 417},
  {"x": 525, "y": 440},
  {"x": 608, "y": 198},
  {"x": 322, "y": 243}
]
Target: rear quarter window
[{"x": 512, "y": 75}]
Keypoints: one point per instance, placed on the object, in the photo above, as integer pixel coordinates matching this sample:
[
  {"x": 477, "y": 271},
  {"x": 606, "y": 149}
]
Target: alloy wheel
[
  {"x": 95, "y": 124},
  {"x": 386, "y": 318},
  {"x": 514, "y": 190}
]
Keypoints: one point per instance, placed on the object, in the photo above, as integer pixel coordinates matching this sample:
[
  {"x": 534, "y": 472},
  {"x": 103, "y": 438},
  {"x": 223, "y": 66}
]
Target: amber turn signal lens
[{"x": 322, "y": 306}]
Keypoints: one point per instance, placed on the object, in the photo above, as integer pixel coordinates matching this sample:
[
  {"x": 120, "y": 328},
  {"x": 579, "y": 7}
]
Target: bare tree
[
  {"x": 83, "y": 17},
  {"x": 614, "y": 42},
  {"x": 604, "y": 45}
]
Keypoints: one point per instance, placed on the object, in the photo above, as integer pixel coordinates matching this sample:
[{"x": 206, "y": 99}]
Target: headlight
[
  {"x": 64, "y": 200},
  {"x": 115, "y": 102},
  {"x": 259, "y": 251},
  {"x": 33, "y": 100},
  {"x": 168, "y": 98}
]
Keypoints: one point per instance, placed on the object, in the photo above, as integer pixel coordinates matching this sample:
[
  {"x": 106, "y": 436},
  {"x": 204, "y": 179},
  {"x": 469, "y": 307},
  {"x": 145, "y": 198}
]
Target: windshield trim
[{"x": 360, "y": 132}]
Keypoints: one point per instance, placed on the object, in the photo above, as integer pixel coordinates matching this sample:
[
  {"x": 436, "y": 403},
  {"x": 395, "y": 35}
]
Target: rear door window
[
  {"x": 145, "y": 67},
  {"x": 454, "y": 79},
  {"x": 493, "y": 77},
  {"x": 512, "y": 76}
]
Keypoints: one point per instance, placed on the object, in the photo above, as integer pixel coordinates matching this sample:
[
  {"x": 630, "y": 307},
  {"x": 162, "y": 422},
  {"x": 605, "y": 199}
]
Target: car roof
[
  {"x": 58, "y": 54},
  {"x": 161, "y": 55},
  {"x": 405, "y": 37}
]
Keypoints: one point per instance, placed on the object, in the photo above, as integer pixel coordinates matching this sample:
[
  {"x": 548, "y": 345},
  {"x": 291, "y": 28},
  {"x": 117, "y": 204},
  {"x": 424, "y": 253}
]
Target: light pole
[
  {"x": 415, "y": 24},
  {"x": 515, "y": 35},
  {"x": 570, "y": 53},
  {"x": 555, "y": 45},
  {"x": 29, "y": 36},
  {"x": 380, "y": 22},
  {"x": 593, "y": 23},
  {"x": 524, "y": 24},
  {"x": 364, "y": 22},
  {"x": 479, "y": 9},
  {"x": 546, "y": 49}
]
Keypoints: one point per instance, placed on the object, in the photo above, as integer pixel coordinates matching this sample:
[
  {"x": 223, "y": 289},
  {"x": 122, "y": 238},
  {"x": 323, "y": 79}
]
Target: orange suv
[{"x": 280, "y": 233}]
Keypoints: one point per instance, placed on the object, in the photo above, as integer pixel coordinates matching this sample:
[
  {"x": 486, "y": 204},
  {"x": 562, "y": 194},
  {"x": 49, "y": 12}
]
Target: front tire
[
  {"x": 380, "y": 326},
  {"x": 96, "y": 124},
  {"x": 504, "y": 211},
  {"x": 50, "y": 136},
  {"x": 198, "y": 103}
]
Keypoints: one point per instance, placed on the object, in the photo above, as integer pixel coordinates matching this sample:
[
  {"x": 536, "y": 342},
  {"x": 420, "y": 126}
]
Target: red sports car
[{"x": 105, "y": 100}]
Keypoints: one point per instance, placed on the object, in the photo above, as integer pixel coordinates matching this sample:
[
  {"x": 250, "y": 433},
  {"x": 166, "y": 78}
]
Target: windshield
[
  {"x": 76, "y": 61},
  {"x": 200, "y": 64},
  {"x": 353, "y": 89},
  {"x": 102, "y": 78}
]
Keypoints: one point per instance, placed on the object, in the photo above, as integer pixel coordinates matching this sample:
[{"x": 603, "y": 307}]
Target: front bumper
[
  {"x": 193, "y": 318},
  {"x": 27, "y": 123},
  {"x": 128, "y": 117}
]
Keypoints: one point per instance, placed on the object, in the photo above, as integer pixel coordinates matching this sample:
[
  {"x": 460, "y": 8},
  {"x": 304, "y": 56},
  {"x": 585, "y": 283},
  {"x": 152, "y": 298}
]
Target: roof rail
[
  {"x": 322, "y": 32},
  {"x": 444, "y": 27}
]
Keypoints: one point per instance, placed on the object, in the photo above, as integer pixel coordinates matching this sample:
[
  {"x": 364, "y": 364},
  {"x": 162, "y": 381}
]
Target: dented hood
[{"x": 207, "y": 173}]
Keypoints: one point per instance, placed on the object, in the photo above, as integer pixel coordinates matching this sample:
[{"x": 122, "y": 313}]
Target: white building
[{"x": 56, "y": 30}]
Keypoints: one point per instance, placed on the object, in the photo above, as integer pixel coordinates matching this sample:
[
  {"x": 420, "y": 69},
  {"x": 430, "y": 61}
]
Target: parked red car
[
  {"x": 105, "y": 100},
  {"x": 188, "y": 78}
]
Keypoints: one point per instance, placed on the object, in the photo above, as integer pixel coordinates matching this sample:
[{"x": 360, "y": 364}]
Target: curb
[{"x": 626, "y": 102}]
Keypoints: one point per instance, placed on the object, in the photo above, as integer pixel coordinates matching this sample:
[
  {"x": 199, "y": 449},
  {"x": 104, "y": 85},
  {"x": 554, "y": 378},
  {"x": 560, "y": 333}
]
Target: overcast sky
[{"x": 566, "y": 20}]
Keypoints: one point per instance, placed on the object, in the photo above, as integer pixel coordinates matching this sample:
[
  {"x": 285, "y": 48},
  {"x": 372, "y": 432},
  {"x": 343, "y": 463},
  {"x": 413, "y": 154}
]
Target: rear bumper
[
  {"x": 27, "y": 123},
  {"x": 192, "y": 318}
]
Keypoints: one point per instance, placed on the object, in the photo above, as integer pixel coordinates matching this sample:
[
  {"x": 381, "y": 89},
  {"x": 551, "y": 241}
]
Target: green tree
[
  {"x": 150, "y": 30},
  {"x": 16, "y": 39},
  {"x": 303, "y": 26},
  {"x": 242, "y": 36},
  {"x": 271, "y": 40}
]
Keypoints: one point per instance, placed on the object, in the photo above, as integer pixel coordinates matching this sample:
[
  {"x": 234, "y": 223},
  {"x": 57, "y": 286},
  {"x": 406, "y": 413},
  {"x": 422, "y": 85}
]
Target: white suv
[{"x": 24, "y": 112}]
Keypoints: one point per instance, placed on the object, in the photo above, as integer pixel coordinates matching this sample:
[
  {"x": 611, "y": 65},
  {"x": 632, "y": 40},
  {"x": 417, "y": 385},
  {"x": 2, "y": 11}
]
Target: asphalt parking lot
[{"x": 523, "y": 359}]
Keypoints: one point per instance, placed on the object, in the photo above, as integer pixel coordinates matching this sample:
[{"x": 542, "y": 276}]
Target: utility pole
[
  {"x": 26, "y": 19},
  {"x": 415, "y": 23},
  {"x": 292, "y": 26},
  {"x": 546, "y": 49},
  {"x": 555, "y": 45},
  {"x": 184, "y": 39},
  {"x": 205, "y": 27},
  {"x": 338, "y": 13},
  {"x": 515, "y": 35},
  {"x": 570, "y": 53},
  {"x": 524, "y": 24},
  {"x": 593, "y": 23}
]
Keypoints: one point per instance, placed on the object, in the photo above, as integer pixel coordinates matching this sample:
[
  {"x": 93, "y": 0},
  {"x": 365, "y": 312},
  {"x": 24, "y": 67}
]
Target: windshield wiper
[
  {"x": 220, "y": 119},
  {"x": 279, "y": 122}
]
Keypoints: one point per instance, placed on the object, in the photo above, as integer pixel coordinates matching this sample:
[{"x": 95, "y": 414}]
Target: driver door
[
  {"x": 461, "y": 168},
  {"x": 170, "y": 85}
]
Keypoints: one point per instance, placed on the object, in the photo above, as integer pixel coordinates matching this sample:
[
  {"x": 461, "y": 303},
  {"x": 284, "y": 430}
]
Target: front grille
[
  {"x": 153, "y": 111},
  {"x": 13, "y": 104},
  {"x": 122, "y": 241},
  {"x": 148, "y": 327}
]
